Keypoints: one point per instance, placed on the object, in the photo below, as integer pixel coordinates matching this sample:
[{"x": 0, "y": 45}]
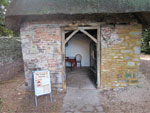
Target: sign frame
[{"x": 35, "y": 87}]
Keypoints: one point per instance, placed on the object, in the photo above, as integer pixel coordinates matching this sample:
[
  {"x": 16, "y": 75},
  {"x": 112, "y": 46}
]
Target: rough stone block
[
  {"x": 127, "y": 58},
  {"x": 137, "y": 50},
  {"x": 131, "y": 63},
  {"x": 126, "y": 51}
]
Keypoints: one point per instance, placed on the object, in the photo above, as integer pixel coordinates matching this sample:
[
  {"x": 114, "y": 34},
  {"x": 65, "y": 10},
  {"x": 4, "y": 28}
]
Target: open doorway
[{"x": 82, "y": 57}]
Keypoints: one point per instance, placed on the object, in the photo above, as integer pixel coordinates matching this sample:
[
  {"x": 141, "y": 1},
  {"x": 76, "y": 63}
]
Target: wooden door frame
[{"x": 97, "y": 41}]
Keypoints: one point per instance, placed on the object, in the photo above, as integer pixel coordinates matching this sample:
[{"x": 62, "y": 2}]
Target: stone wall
[
  {"x": 41, "y": 48},
  {"x": 120, "y": 55},
  {"x": 11, "y": 62}
]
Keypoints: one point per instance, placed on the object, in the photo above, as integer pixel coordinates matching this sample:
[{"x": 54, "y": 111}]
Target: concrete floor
[
  {"x": 80, "y": 78},
  {"x": 82, "y": 95},
  {"x": 82, "y": 101}
]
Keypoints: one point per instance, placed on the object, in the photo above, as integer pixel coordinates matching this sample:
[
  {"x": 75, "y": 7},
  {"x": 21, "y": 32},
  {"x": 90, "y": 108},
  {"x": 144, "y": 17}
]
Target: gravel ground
[{"x": 15, "y": 99}]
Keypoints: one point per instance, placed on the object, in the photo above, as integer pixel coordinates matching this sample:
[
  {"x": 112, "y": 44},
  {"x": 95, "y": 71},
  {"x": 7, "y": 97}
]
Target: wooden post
[
  {"x": 98, "y": 59},
  {"x": 63, "y": 59}
]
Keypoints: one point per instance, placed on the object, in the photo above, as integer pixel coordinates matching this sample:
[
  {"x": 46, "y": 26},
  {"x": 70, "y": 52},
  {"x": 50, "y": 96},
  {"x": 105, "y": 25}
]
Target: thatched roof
[
  {"x": 20, "y": 10},
  {"x": 42, "y": 7}
]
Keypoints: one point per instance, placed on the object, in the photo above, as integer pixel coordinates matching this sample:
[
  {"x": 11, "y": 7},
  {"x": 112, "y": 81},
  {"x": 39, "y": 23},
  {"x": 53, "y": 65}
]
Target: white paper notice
[{"x": 42, "y": 83}]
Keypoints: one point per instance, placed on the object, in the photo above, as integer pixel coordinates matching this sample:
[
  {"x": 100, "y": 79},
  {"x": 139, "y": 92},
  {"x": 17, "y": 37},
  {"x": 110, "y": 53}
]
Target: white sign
[{"x": 42, "y": 83}]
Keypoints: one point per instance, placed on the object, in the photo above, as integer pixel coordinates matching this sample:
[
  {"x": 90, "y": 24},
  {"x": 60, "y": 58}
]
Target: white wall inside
[{"x": 79, "y": 44}]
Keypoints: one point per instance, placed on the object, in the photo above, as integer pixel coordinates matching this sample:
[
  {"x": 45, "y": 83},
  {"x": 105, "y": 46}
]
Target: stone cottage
[{"x": 114, "y": 28}]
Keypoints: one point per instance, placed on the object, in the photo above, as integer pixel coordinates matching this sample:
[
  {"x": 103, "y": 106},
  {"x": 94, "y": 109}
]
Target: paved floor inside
[
  {"x": 82, "y": 96},
  {"x": 80, "y": 78}
]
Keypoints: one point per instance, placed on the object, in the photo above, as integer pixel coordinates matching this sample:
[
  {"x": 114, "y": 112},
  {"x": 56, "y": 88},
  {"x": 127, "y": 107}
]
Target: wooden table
[{"x": 72, "y": 61}]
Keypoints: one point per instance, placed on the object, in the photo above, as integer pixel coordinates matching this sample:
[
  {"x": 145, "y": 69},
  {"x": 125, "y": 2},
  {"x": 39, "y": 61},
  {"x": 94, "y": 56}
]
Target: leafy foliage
[
  {"x": 3, "y": 30},
  {"x": 146, "y": 41},
  {"x": 3, "y": 5}
]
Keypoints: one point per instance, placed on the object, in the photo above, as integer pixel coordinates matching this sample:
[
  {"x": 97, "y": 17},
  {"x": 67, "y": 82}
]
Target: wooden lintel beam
[
  {"x": 70, "y": 28},
  {"x": 88, "y": 28}
]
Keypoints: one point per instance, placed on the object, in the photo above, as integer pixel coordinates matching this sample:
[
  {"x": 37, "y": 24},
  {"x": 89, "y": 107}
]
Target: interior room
[{"x": 81, "y": 60}]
